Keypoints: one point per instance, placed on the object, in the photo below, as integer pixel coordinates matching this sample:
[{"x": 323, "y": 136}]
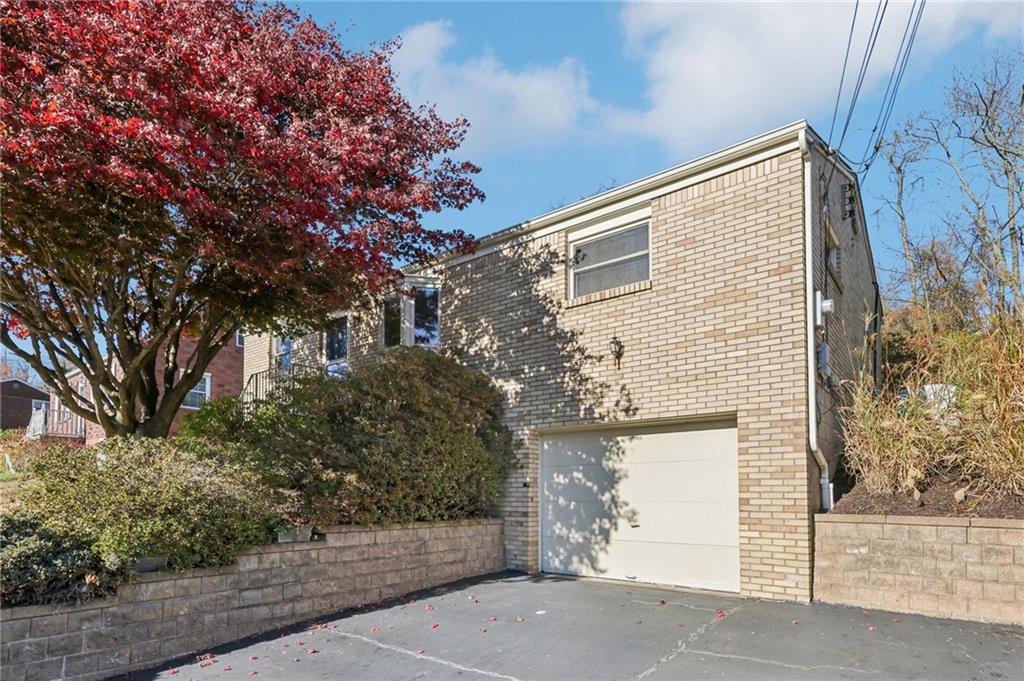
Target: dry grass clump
[{"x": 902, "y": 432}]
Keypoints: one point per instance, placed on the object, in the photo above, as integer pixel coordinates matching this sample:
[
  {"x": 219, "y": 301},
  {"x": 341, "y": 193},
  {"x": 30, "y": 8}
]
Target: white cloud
[
  {"x": 716, "y": 72},
  {"x": 508, "y": 108}
]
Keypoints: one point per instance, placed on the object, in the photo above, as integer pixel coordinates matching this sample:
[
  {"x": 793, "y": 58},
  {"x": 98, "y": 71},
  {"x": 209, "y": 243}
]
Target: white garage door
[{"x": 656, "y": 505}]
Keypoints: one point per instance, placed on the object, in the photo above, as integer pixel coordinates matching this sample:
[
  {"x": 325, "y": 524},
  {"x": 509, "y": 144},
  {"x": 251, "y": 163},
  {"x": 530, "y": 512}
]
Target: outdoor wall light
[{"x": 617, "y": 349}]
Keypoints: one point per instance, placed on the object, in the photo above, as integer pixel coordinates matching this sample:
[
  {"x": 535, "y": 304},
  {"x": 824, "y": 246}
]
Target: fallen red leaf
[
  {"x": 173, "y": 672},
  {"x": 374, "y": 629},
  {"x": 253, "y": 657},
  {"x": 519, "y": 619},
  {"x": 311, "y": 651},
  {"x": 492, "y": 618},
  {"x": 680, "y": 625},
  {"x": 719, "y": 613},
  {"x": 483, "y": 630},
  {"x": 865, "y": 613},
  {"x": 871, "y": 627},
  {"x": 227, "y": 669},
  {"x": 796, "y": 621},
  {"x": 420, "y": 652},
  {"x": 253, "y": 673},
  {"x": 435, "y": 625},
  {"x": 428, "y": 606}
]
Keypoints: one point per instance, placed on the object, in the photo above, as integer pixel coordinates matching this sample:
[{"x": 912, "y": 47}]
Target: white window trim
[
  {"x": 239, "y": 335},
  {"x": 209, "y": 392},
  {"x": 830, "y": 238},
  {"x": 586, "y": 236},
  {"x": 45, "y": 404},
  {"x": 407, "y": 312}
]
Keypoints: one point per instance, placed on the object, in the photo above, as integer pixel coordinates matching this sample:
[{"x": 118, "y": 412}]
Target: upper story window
[
  {"x": 427, "y": 317},
  {"x": 283, "y": 352},
  {"x": 392, "y": 325},
  {"x": 199, "y": 393},
  {"x": 610, "y": 260},
  {"x": 239, "y": 339},
  {"x": 413, "y": 319},
  {"x": 336, "y": 347}
]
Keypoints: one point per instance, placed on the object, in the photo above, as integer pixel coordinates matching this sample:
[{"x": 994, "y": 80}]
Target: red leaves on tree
[{"x": 225, "y": 155}]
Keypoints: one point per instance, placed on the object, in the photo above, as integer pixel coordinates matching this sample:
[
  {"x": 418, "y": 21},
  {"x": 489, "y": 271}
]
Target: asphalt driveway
[{"x": 521, "y": 628}]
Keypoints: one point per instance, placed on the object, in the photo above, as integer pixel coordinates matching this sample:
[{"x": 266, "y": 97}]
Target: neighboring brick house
[
  {"x": 18, "y": 400},
  {"x": 223, "y": 378},
  {"x": 663, "y": 355}
]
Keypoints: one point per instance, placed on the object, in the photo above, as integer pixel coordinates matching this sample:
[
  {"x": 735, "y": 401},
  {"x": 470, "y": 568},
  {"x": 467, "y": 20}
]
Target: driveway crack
[{"x": 681, "y": 645}]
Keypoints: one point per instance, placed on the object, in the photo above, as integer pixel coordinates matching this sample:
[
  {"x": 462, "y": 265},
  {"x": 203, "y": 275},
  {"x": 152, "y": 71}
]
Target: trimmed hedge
[
  {"x": 39, "y": 564},
  {"x": 135, "y": 497}
]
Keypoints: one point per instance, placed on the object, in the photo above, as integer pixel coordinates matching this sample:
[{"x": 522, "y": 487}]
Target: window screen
[{"x": 610, "y": 261}]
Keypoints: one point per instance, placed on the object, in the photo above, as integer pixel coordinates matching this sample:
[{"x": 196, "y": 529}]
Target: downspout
[{"x": 812, "y": 387}]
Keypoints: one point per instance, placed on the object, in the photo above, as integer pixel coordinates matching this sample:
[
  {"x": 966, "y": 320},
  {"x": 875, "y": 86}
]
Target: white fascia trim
[{"x": 636, "y": 194}]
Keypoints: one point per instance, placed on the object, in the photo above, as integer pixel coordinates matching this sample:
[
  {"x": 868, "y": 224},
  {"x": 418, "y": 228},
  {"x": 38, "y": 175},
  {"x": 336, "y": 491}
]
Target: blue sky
[{"x": 566, "y": 99}]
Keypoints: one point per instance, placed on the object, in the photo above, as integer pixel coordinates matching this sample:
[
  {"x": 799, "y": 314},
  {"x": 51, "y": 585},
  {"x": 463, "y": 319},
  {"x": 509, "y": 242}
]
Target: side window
[
  {"x": 239, "y": 339},
  {"x": 833, "y": 253},
  {"x": 391, "y": 333},
  {"x": 199, "y": 393},
  {"x": 427, "y": 317}
]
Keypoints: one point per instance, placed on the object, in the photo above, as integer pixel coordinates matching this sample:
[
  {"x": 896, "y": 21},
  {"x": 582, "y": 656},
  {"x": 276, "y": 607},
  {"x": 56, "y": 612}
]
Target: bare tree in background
[{"x": 970, "y": 267}]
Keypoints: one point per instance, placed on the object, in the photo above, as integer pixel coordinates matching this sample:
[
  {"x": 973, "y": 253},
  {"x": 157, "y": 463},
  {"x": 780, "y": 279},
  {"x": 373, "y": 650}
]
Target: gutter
[{"x": 812, "y": 386}]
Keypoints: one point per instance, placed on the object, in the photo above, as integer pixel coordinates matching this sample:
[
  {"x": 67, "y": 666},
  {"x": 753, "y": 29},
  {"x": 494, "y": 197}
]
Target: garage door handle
[{"x": 634, "y": 525}]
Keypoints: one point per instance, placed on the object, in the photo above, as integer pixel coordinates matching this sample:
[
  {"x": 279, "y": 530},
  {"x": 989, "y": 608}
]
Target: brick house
[
  {"x": 223, "y": 378},
  {"x": 672, "y": 352},
  {"x": 18, "y": 400}
]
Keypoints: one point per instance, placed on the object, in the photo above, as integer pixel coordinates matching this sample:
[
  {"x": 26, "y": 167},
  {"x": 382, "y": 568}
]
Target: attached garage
[{"x": 657, "y": 504}]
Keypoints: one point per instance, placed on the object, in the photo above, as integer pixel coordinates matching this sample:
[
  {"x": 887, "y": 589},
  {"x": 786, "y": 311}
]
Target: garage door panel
[
  {"x": 684, "y": 522},
  {"x": 657, "y": 505},
  {"x": 667, "y": 481},
  {"x": 662, "y": 444},
  {"x": 712, "y": 567}
]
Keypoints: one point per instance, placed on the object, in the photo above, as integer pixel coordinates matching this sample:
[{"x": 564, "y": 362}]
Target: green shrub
[
  {"x": 135, "y": 497},
  {"x": 408, "y": 435},
  {"x": 896, "y": 437},
  {"x": 41, "y": 565}
]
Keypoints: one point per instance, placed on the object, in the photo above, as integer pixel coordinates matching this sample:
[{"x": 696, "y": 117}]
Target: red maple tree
[{"x": 186, "y": 169}]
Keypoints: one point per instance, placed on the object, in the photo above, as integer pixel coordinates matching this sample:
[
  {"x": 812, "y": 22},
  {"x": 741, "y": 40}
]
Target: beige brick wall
[
  {"x": 965, "y": 568},
  {"x": 852, "y": 292},
  {"x": 167, "y": 615},
  {"x": 718, "y": 331}
]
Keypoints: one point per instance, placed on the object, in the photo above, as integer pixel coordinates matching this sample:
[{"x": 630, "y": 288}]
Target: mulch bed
[{"x": 936, "y": 500}]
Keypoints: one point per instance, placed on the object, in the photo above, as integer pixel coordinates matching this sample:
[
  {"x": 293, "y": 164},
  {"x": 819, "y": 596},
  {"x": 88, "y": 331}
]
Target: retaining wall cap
[
  {"x": 933, "y": 520},
  {"x": 1007, "y": 523}
]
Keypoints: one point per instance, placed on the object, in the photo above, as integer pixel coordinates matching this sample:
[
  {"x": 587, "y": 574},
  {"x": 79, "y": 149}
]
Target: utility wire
[
  {"x": 842, "y": 77},
  {"x": 885, "y": 112}
]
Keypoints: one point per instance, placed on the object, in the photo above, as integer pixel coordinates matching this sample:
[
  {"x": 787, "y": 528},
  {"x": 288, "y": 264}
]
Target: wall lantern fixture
[{"x": 617, "y": 349}]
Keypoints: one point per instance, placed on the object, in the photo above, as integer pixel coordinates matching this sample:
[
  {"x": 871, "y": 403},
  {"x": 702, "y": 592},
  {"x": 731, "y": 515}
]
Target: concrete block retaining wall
[
  {"x": 165, "y": 615},
  {"x": 964, "y": 568}
]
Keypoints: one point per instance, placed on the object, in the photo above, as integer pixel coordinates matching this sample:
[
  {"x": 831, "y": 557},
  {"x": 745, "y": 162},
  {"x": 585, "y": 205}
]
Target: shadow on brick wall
[{"x": 502, "y": 315}]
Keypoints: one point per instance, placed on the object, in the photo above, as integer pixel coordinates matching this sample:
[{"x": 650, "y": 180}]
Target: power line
[
  {"x": 876, "y": 29},
  {"x": 842, "y": 77},
  {"x": 895, "y": 79}
]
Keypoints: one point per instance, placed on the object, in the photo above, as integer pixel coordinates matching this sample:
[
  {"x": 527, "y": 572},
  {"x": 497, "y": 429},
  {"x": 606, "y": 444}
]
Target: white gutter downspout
[{"x": 812, "y": 387}]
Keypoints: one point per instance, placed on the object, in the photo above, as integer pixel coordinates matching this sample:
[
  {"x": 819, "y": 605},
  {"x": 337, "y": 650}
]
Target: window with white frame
[
  {"x": 413, "y": 318},
  {"x": 427, "y": 317},
  {"x": 283, "y": 352},
  {"x": 336, "y": 346},
  {"x": 239, "y": 339},
  {"x": 199, "y": 393},
  {"x": 610, "y": 260},
  {"x": 40, "y": 404}
]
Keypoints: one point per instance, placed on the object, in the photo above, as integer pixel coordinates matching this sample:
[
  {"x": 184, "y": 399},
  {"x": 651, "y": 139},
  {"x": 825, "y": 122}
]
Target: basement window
[{"x": 610, "y": 260}]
